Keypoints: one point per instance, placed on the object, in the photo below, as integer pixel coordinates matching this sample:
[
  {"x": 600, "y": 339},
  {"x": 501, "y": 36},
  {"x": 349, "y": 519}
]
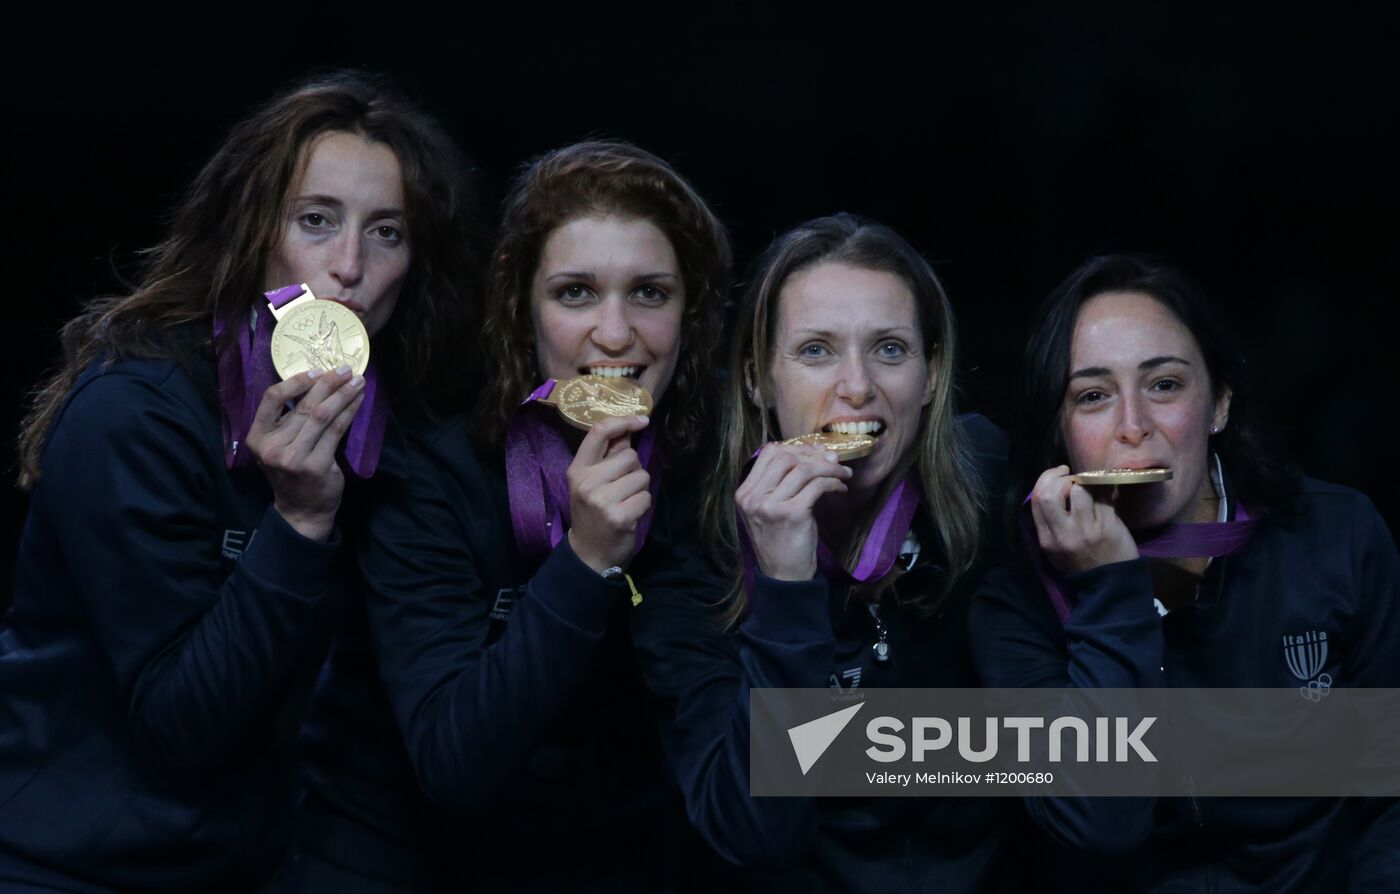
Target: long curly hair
[
  {"x": 211, "y": 261},
  {"x": 603, "y": 177}
]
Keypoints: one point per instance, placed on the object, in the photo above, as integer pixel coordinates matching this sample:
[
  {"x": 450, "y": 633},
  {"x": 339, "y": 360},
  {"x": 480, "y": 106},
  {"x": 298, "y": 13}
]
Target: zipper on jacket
[
  {"x": 1221, "y": 567},
  {"x": 1195, "y": 804},
  {"x": 1186, "y": 774},
  {"x": 881, "y": 648}
]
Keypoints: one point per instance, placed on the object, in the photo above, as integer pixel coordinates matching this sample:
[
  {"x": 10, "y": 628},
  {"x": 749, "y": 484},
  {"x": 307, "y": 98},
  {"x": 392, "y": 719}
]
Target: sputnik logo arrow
[{"x": 810, "y": 740}]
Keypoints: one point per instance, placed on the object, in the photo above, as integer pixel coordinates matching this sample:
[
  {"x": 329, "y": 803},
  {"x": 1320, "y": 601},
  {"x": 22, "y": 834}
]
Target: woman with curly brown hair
[
  {"x": 175, "y": 576},
  {"x": 502, "y": 566}
]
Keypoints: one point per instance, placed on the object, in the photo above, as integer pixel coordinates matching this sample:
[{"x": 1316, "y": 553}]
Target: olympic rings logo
[{"x": 1318, "y": 689}]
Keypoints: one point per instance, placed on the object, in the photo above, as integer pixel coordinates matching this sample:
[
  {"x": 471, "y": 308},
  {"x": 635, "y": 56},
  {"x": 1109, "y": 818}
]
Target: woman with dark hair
[
  {"x": 175, "y": 574},
  {"x": 843, "y": 329},
  {"x": 503, "y": 562},
  {"x": 1128, "y": 368}
]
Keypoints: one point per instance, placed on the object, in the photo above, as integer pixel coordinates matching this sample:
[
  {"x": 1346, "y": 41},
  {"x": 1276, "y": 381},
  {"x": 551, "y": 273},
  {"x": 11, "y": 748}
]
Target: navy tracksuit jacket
[
  {"x": 513, "y": 692},
  {"x": 809, "y": 634},
  {"x": 1329, "y": 567},
  {"x": 166, "y": 627}
]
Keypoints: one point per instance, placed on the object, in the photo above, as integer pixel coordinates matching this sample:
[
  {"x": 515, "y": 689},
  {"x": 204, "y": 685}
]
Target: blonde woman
[{"x": 843, "y": 328}]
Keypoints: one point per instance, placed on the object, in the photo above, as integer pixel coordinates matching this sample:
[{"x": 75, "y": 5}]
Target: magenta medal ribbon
[
  {"x": 1194, "y": 540},
  {"x": 537, "y": 464},
  {"x": 246, "y": 371}
]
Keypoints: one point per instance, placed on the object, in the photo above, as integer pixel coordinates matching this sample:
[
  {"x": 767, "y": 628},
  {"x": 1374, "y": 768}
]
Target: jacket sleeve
[
  {"x": 701, "y": 675},
  {"x": 1113, "y": 639},
  {"x": 200, "y": 655},
  {"x": 1376, "y": 664},
  {"x": 470, "y": 712}
]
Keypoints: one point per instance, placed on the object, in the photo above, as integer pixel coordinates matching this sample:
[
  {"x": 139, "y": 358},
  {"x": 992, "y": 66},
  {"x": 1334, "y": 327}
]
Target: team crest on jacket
[{"x": 1306, "y": 655}]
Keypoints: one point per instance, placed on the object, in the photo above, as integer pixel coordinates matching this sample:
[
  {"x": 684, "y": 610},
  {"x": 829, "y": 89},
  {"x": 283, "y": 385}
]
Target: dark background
[{"x": 1256, "y": 149}]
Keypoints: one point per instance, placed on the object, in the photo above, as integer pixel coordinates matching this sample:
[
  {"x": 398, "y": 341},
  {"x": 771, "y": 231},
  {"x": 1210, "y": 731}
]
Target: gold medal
[
  {"x": 846, "y": 447},
  {"x": 584, "y": 401},
  {"x": 1122, "y": 476},
  {"x": 316, "y": 334}
]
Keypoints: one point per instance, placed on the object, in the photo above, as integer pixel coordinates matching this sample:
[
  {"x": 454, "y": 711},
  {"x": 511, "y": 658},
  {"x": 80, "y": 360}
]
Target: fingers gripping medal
[
  {"x": 846, "y": 447},
  {"x": 313, "y": 333},
  {"x": 538, "y": 456},
  {"x": 584, "y": 401},
  {"x": 888, "y": 531},
  {"x": 1172, "y": 541},
  {"x": 1120, "y": 477}
]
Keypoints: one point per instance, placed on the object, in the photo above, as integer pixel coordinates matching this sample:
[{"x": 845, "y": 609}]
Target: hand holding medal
[
  {"x": 1076, "y": 531},
  {"x": 609, "y": 490},
  {"x": 604, "y": 499},
  {"x": 777, "y": 501},
  {"x": 300, "y": 421}
]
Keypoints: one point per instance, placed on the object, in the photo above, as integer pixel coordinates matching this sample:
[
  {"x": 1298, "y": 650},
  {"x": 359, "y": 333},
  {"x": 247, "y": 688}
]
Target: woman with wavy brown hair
[
  {"x": 175, "y": 575},
  {"x": 502, "y": 569},
  {"x": 844, "y": 571}
]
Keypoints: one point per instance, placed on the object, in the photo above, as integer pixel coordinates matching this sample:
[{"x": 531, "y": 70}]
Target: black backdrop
[{"x": 1257, "y": 150}]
